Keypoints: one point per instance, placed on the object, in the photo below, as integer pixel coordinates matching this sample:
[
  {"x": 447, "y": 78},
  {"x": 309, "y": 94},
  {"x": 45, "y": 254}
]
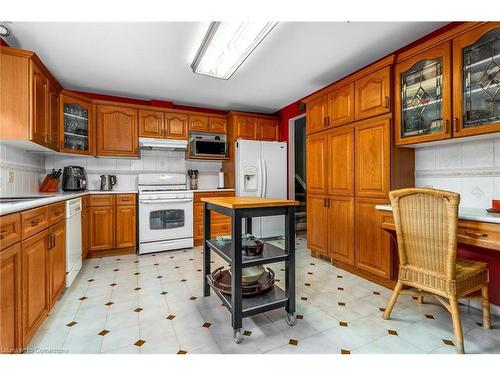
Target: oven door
[{"x": 167, "y": 218}]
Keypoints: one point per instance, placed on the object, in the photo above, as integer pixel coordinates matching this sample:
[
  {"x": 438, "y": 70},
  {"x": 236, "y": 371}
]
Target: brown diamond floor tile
[
  {"x": 448, "y": 342},
  {"x": 428, "y": 316},
  {"x": 104, "y": 332},
  {"x": 137, "y": 273},
  {"x": 159, "y": 277},
  {"x": 479, "y": 324},
  {"x": 176, "y": 267},
  {"x": 206, "y": 325},
  {"x": 277, "y": 280},
  {"x": 293, "y": 342},
  {"x": 182, "y": 352},
  {"x": 309, "y": 273},
  {"x": 137, "y": 288},
  {"x": 247, "y": 333},
  {"x": 163, "y": 293},
  {"x": 96, "y": 267},
  {"x": 82, "y": 298},
  {"x": 114, "y": 284},
  {"x": 392, "y": 332},
  {"x": 376, "y": 293},
  {"x": 300, "y": 316},
  {"x": 90, "y": 280},
  {"x": 156, "y": 264},
  {"x": 307, "y": 284},
  {"x": 341, "y": 303},
  {"x": 109, "y": 303},
  {"x": 343, "y": 324},
  {"x": 340, "y": 277},
  {"x": 136, "y": 261},
  {"x": 340, "y": 288},
  {"x": 115, "y": 270},
  {"x": 183, "y": 280},
  {"x": 192, "y": 298},
  {"x": 198, "y": 270},
  {"x": 345, "y": 351},
  {"x": 382, "y": 309},
  {"x": 312, "y": 264},
  {"x": 303, "y": 298},
  {"x": 138, "y": 309},
  {"x": 170, "y": 317},
  {"x": 139, "y": 343},
  {"x": 71, "y": 324}
]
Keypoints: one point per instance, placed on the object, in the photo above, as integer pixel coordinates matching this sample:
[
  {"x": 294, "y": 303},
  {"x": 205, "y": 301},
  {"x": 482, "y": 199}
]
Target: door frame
[{"x": 291, "y": 155}]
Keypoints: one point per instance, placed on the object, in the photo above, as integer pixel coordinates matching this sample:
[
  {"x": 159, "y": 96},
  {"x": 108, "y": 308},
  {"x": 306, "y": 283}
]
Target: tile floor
[{"x": 154, "y": 304}]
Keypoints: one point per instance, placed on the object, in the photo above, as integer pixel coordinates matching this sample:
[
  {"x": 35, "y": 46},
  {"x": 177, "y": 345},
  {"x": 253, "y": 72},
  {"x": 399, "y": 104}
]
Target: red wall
[{"x": 285, "y": 114}]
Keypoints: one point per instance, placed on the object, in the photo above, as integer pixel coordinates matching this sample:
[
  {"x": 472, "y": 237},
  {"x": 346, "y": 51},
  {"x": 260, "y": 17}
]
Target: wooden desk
[{"x": 475, "y": 233}]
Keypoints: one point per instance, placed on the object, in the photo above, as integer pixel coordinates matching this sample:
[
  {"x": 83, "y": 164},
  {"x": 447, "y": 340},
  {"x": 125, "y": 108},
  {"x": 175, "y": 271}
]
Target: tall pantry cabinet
[{"x": 351, "y": 167}]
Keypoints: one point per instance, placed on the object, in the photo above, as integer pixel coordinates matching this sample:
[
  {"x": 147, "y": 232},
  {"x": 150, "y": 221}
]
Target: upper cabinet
[
  {"x": 373, "y": 94},
  {"x": 198, "y": 123},
  {"x": 423, "y": 106},
  {"x": 253, "y": 127},
  {"x": 39, "y": 100},
  {"x": 341, "y": 106},
  {"x": 151, "y": 124},
  {"x": 76, "y": 130},
  {"x": 476, "y": 80},
  {"x": 217, "y": 125},
  {"x": 116, "y": 131},
  {"x": 176, "y": 126},
  {"x": 207, "y": 124},
  {"x": 316, "y": 116}
]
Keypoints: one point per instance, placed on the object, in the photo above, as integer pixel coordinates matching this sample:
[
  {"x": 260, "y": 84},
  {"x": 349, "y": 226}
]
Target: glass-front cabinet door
[
  {"x": 423, "y": 100},
  {"x": 477, "y": 76},
  {"x": 76, "y": 127}
]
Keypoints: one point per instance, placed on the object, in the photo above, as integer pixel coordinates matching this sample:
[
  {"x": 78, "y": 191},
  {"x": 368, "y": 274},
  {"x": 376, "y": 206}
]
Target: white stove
[{"x": 165, "y": 212}]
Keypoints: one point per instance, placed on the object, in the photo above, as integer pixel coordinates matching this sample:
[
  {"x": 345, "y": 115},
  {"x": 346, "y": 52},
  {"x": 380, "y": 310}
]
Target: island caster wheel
[
  {"x": 291, "y": 319},
  {"x": 238, "y": 335}
]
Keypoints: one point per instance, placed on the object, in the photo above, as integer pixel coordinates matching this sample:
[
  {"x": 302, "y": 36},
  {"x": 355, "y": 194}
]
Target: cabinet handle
[
  {"x": 328, "y": 120},
  {"x": 324, "y": 202},
  {"x": 387, "y": 102},
  {"x": 2, "y": 233},
  {"x": 324, "y": 121},
  {"x": 57, "y": 213},
  {"x": 455, "y": 125},
  {"x": 125, "y": 199},
  {"x": 35, "y": 222},
  {"x": 49, "y": 242},
  {"x": 447, "y": 126},
  {"x": 476, "y": 235}
]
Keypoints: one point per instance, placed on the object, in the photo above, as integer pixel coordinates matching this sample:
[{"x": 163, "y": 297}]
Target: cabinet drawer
[
  {"x": 33, "y": 221},
  {"x": 102, "y": 200},
  {"x": 198, "y": 196},
  {"x": 217, "y": 229},
  {"x": 57, "y": 212},
  {"x": 85, "y": 202},
  {"x": 479, "y": 234},
  {"x": 215, "y": 216},
  {"x": 10, "y": 230},
  {"x": 125, "y": 199}
]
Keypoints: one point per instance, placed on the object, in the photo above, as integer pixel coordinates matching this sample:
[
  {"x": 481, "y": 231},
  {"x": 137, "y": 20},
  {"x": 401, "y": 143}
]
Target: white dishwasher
[{"x": 73, "y": 239}]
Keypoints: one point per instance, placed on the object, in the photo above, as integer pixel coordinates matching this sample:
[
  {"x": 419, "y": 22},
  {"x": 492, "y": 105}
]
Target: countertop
[
  {"x": 465, "y": 213},
  {"x": 41, "y": 199},
  {"x": 210, "y": 190},
  {"x": 248, "y": 202}
]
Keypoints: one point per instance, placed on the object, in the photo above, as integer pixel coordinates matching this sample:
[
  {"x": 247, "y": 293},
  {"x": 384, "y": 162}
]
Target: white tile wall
[
  {"x": 127, "y": 170},
  {"x": 471, "y": 168},
  {"x": 28, "y": 169}
]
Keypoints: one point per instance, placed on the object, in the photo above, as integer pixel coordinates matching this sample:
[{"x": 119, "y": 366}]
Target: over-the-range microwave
[{"x": 206, "y": 145}]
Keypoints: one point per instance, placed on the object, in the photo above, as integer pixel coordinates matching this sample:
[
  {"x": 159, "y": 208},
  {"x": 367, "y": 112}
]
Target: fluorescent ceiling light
[{"x": 226, "y": 45}]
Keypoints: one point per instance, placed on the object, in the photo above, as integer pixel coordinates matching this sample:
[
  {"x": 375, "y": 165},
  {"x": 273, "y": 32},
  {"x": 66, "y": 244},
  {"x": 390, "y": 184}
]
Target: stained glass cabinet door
[
  {"x": 423, "y": 99},
  {"x": 476, "y": 71}
]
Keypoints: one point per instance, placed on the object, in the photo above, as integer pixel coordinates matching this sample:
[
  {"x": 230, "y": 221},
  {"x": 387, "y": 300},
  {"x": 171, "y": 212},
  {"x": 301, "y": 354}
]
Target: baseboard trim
[{"x": 111, "y": 252}]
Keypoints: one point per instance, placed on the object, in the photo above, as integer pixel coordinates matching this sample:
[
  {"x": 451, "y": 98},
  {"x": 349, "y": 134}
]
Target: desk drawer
[
  {"x": 10, "y": 230},
  {"x": 479, "y": 234},
  {"x": 34, "y": 221},
  {"x": 57, "y": 212},
  {"x": 99, "y": 200}
]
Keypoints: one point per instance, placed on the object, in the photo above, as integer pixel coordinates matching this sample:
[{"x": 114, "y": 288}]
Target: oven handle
[{"x": 165, "y": 201}]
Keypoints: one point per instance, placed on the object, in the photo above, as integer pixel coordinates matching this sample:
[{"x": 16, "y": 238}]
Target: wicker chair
[{"x": 426, "y": 223}]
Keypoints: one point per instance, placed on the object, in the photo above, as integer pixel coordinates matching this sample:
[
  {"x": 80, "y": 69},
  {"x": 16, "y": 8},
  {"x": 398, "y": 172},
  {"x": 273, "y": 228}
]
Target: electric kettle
[{"x": 107, "y": 182}]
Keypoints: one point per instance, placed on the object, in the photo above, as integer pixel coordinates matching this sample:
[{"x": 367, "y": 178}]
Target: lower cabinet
[
  {"x": 220, "y": 224},
  {"x": 10, "y": 299},
  {"x": 85, "y": 232},
  {"x": 330, "y": 227},
  {"x": 35, "y": 298},
  {"x": 57, "y": 261},
  {"x": 372, "y": 245},
  {"x": 112, "y": 223}
]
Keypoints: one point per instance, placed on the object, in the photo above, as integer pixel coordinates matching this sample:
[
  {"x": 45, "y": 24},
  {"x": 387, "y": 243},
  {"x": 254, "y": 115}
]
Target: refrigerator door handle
[
  {"x": 261, "y": 177},
  {"x": 264, "y": 173}
]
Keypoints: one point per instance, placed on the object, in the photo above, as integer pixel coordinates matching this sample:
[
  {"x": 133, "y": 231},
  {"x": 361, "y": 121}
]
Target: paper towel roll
[{"x": 221, "y": 180}]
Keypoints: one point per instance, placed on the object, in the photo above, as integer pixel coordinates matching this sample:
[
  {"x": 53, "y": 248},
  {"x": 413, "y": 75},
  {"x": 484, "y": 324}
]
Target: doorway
[{"x": 297, "y": 169}]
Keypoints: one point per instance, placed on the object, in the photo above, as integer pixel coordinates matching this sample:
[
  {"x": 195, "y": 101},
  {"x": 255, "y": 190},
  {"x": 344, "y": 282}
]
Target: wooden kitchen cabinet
[
  {"x": 151, "y": 124},
  {"x": 423, "y": 100},
  {"x": 85, "y": 232},
  {"x": 34, "y": 282},
  {"x": 101, "y": 228},
  {"x": 220, "y": 224},
  {"x": 372, "y": 244},
  {"x": 317, "y": 228},
  {"x": 316, "y": 151},
  {"x": 340, "y": 230},
  {"x": 476, "y": 81},
  {"x": 33, "y": 221},
  {"x": 372, "y": 157},
  {"x": 373, "y": 94},
  {"x": 116, "y": 131},
  {"x": 39, "y": 97},
  {"x": 268, "y": 129},
  {"x": 176, "y": 126},
  {"x": 10, "y": 299},
  {"x": 245, "y": 127},
  {"x": 56, "y": 261},
  {"x": 316, "y": 117},
  {"x": 53, "y": 124},
  {"x": 340, "y": 161},
  {"x": 10, "y": 230},
  {"x": 125, "y": 226},
  {"x": 77, "y": 133},
  {"x": 198, "y": 123},
  {"x": 217, "y": 125},
  {"x": 340, "y": 106}
]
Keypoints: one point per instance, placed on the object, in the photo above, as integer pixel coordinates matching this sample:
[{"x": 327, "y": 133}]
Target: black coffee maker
[{"x": 74, "y": 179}]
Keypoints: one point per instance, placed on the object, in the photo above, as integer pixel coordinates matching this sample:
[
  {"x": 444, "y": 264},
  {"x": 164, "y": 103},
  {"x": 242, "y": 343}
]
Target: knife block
[{"x": 49, "y": 184}]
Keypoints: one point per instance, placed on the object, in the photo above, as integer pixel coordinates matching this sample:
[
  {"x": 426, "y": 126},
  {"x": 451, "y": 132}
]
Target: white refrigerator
[{"x": 261, "y": 171}]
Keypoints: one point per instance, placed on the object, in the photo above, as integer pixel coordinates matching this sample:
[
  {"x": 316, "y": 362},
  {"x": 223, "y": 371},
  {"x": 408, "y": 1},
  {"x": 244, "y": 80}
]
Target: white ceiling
[{"x": 152, "y": 60}]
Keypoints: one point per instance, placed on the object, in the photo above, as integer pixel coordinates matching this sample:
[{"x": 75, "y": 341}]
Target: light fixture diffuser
[{"x": 227, "y": 45}]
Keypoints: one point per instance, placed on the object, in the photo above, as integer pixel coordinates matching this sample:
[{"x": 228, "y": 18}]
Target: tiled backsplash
[
  {"x": 471, "y": 168},
  {"x": 21, "y": 172},
  {"x": 127, "y": 170}
]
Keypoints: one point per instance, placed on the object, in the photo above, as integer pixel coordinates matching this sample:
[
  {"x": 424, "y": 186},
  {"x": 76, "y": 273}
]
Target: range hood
[{"x": 163, "y": 144}]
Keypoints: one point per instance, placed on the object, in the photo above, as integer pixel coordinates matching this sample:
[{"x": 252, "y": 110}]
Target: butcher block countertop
[{"x": 234, "y": 203}]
